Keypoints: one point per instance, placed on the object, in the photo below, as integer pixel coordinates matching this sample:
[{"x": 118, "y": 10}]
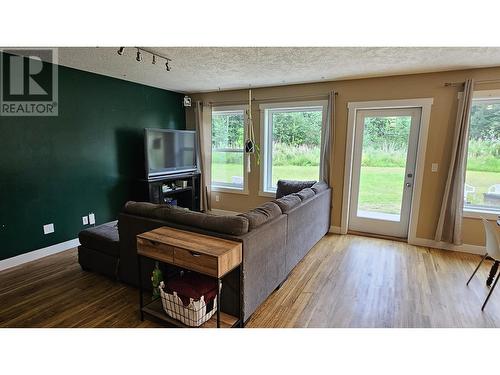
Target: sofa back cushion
[
  {"x": 260, "y": 215},
  {"x": 287, "y": 202},
  {"x": 234, "y": 225},
  {"x": 319, "y": 186},
  {"x": 285, "y": 187},
  {"x": 145, "y": 209},
  {"x": 305, "y": 194}
]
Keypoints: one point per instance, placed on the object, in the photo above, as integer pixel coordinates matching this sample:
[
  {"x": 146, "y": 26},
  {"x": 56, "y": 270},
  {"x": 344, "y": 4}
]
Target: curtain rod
[
  {"x": 279, "y": 98},
  {"x": 455, "y": 84}
]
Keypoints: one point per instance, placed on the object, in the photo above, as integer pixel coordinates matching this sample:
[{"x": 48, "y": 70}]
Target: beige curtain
[
  {"x": 449, "y": 227},
  {"x": 203, "y": 122},
  {"x": 327, "y": 139}
]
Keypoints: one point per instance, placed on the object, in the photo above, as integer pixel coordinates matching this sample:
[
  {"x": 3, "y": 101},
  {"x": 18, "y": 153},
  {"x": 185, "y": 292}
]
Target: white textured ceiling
[{"x": 199, "y": 69}]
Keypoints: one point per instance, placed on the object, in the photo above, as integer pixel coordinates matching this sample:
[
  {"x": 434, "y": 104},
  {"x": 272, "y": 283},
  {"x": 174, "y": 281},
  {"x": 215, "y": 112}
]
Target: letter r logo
[{"x": 17, "y": 76}]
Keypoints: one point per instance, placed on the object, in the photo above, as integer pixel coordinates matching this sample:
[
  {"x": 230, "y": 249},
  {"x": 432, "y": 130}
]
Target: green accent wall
[{"x": 88, "y": 159}]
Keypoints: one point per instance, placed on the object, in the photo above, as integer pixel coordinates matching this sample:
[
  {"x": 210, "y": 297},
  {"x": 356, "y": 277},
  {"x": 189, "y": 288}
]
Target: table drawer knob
[{"x": 195, "y": 254}]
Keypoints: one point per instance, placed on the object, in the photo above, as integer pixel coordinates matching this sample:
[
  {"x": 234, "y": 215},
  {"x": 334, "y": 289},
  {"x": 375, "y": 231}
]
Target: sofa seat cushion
[
  {"x": 260, "y": 215},
  {"x": 103, "y": 238},
  {"x": 288, "y": 202},
  {"x": 319, "y": 186},
  {"x": 233, "y": 225},
  {"x": 286, "y": 187},
  {"x": 305, "y": 194}
]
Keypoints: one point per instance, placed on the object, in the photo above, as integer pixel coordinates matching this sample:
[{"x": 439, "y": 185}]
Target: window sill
[
  {"x": 225, "y": 189},
  {"x": 271, "y": 194},
  {"x": 478, "y": 214}
]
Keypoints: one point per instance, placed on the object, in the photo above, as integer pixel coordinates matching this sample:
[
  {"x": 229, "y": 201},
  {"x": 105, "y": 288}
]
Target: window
[
  {"x": 228, "y": 136},
  {"x": 482, "y": 178},
  {"x": 291, "y": 142}
]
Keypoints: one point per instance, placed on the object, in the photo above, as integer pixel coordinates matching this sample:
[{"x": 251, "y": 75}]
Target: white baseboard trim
[
  {"x": 218, "y": 211},
  {"x": 37, "y": 254},
  {"x": 465, "y": 248},
  {"x": 336, "y": 230}
]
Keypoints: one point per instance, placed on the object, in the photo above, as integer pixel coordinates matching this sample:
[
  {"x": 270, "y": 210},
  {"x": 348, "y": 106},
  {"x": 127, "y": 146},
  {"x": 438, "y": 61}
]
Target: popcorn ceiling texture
[{"x": 202, "y": 69}]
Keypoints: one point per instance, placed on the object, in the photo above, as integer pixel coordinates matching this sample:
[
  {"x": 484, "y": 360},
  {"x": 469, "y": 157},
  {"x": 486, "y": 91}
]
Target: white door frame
[
  {"x": 374, "y": 224},
  {"x": 425, "y": 104}
]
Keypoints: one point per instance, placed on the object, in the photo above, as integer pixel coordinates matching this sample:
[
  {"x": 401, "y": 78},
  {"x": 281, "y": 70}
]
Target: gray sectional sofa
[{"x": 275, "y": 237}]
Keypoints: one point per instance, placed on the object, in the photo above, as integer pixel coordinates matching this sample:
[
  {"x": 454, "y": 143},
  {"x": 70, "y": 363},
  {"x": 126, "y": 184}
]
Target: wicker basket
[{"x": 194, "y": 313}]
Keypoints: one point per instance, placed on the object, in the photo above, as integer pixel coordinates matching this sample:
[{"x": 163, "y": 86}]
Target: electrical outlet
[
  {"x": 91, "y": 218},
  {"x": 85, "y": 220},
  {"x": 48, "y": 228},
  {"x": 434, "y": 167},
  {"x": 217, "y": 197}
]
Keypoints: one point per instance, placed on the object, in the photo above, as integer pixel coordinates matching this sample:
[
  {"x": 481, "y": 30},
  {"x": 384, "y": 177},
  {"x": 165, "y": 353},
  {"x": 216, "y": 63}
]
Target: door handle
[{"x": 407, "y": 184}]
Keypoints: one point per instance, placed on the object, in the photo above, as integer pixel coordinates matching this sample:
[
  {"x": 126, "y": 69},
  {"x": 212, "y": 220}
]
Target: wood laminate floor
[{"x": 344, "y": 281}]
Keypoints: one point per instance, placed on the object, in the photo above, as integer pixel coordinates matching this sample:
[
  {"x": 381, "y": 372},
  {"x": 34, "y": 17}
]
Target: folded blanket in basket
[{"x": 192, "y": 285}]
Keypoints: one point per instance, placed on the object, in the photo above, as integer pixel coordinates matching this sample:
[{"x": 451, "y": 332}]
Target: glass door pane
[{"x": 383, "y": 164}]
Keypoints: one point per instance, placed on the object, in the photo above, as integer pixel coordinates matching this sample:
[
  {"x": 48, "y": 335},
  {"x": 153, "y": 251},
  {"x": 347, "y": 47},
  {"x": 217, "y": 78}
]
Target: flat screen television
[{"x": 169, "y": 151}]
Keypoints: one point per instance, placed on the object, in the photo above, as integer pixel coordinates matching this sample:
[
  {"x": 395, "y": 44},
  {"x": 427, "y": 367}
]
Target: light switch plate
[
  {"x": 91, "y": 218},
  {"x": 48, "y": 228},
  {"x": 434, "y": 167},
  {"x": 217, "y": 197},
  {"x": 85, "y": 220}
]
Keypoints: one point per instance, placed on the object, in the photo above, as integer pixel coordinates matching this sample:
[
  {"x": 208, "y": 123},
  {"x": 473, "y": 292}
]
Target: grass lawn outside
[
  {"x": 224, "y": 172},
  {"x": 481, "y": 181},
  {"x": 381, "y": 188}
]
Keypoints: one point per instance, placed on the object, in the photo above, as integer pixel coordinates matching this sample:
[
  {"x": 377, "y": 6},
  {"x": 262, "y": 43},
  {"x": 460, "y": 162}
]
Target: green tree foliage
[
  {"x": 297, "y": 128},
  {"x": 297, "y": 138},
  {"x": 387, "y": 134},
  {"x": 227, "y": 130},
  {"x": 485, "y": 121},
  {"x": 484, "y": 134}
]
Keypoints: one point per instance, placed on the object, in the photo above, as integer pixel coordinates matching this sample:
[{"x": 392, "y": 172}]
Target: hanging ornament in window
[{"x": 250, "y": 146}]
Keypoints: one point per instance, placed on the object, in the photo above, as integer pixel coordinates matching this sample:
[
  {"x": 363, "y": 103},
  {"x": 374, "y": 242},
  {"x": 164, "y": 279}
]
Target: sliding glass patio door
[{"x": 383, "y": 169}]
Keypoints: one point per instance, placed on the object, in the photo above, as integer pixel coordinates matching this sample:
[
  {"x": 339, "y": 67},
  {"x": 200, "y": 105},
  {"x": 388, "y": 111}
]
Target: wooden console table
[{"x": 196, "y": 252}]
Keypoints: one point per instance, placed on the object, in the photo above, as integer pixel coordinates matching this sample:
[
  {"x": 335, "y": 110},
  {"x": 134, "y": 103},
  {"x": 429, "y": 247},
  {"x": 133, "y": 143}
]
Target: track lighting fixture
[{"x": 141, "y": 51}]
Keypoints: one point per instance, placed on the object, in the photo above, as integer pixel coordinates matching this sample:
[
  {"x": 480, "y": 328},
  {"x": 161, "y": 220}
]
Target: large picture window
[
  {"x": 292, "y": 142},
  {"x": 228, "y": 162},
  {"x": 482, "y": 178}
]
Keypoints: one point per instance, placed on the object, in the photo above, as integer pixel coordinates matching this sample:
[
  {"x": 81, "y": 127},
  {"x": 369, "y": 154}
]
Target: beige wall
[{"x": 395, "y": 87}]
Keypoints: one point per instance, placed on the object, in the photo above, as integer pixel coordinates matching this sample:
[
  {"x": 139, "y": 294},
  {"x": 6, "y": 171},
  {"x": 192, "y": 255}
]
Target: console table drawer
[
  {"x": 195, "y": 261},
  {"x": 197, "y": 252},
  {"x": 156, "y": 250}
]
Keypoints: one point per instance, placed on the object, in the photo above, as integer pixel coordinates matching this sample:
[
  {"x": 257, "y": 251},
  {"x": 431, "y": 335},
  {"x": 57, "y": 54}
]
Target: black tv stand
[{"x": 180, "y": 189}]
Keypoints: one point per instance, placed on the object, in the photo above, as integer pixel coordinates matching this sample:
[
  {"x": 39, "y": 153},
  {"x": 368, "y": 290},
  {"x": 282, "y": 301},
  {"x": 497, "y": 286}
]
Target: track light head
[{"x": 156, "y": 58}]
